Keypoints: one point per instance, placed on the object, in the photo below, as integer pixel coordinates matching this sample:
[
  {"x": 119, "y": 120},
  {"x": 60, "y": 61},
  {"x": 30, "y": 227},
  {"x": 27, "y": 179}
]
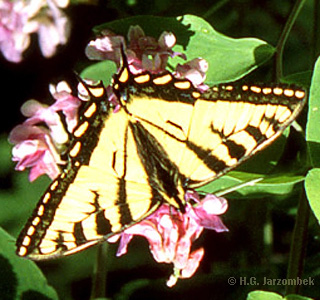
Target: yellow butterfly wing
[
  {"x": 206, "y": 135},
  {"x": 109, "y": 184}
]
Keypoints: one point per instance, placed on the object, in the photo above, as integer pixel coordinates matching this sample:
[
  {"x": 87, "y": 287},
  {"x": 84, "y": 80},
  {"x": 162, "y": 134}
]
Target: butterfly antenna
[{"x": 124, "y": 58}]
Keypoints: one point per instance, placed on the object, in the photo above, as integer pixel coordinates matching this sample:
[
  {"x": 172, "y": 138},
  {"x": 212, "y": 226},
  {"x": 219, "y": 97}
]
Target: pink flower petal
[
  {"x": 105, "y": 48},
  {"x": 194, "y": 70},
  {"x": 19, "y": 19},
  {"x": 182, "y": 252},
  {"x": 33, "y": 149},
  {"x": 214, "y": 205},
  {"x": 193, "y": 263},
  {"x": 207, "y": 211},
  {"x": 32, "y": 107},
  {"x": 135, "y": 32},
  {"x": 124, "y": 241},
  {"x": 170, "y": 233},
  {"x": 47, "y": 165},
  {"x": 66, "y": 103},
  {"x": 148, "y": 230},
  {"x": 167, "y": 40}
]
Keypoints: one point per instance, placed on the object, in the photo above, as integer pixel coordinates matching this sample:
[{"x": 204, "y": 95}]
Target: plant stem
[
  {"x": 298, "y": 244},
  {"x": 100, "y": 272},
  {"x": 284, "y": 36}
]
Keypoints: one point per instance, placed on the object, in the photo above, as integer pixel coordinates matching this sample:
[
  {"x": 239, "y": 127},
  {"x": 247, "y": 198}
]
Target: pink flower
[
  {"x": 106, "y": 48},
  {"x": 65, "y": 102},
  {"x": 34, "y": 149},
  {"x": 194, "y": 70},
  {"x": 13, "y": 38},
  {"x": 143, "y": 52},
  {"x": 39, "y": 147},
  {"x": 171, "y": 233},
  {"x": 51, "y": 24},
  {"x": 19, "y": 19},
  {"x": 147, "y": 53}
]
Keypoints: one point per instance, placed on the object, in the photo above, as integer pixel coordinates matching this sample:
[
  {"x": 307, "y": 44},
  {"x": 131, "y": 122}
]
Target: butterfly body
[{"x": 166, "y": 138}]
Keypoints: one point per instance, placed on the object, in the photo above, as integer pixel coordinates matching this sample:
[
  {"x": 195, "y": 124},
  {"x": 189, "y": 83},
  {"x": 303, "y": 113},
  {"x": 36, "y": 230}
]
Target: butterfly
[{"x": 166, "y": 138}]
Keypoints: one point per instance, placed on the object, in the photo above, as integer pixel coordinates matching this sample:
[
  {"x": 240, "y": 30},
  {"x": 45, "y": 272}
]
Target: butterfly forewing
[
  {"x": 100, "y": 192},
  {"x": 206, "y": 135}
]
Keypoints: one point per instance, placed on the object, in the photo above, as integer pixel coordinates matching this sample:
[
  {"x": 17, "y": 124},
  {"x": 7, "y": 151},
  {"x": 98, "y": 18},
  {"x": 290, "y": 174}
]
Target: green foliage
[
  {"x": 241, "y": 55},
  {"x": 313, "y": 139},
  {"x": 263, "y": 295},
  {"x": 20, "y": 278},
  {"x": 312, "y": 130},
  {"x": 312, "y": 191},
  {"x": 276, "y": 185},
  {"x": 100, "y": 71}
]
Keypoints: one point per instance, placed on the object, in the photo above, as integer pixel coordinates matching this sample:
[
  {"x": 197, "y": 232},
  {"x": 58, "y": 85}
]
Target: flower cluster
[
  {"x": 38, "y": 147},
  {"x": 20, "y": 18},
  {"x": 145, "y": 53},
  {"x": 169, "y": 232}
]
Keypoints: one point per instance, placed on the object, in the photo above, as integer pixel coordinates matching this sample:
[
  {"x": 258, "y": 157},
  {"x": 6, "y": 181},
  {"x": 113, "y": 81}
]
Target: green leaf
[
  {"x": 281, "y": 184},
  {"x": 312, "y": 129},
  {"x": 20, "y": 278},
  {"x": 196, "y": 38},
  {"x": 229, "y": 59},
  {"x": 263, "y": 295},
  {"x": 100, "y": 71},
  {"x": 312, "y": 190}
]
